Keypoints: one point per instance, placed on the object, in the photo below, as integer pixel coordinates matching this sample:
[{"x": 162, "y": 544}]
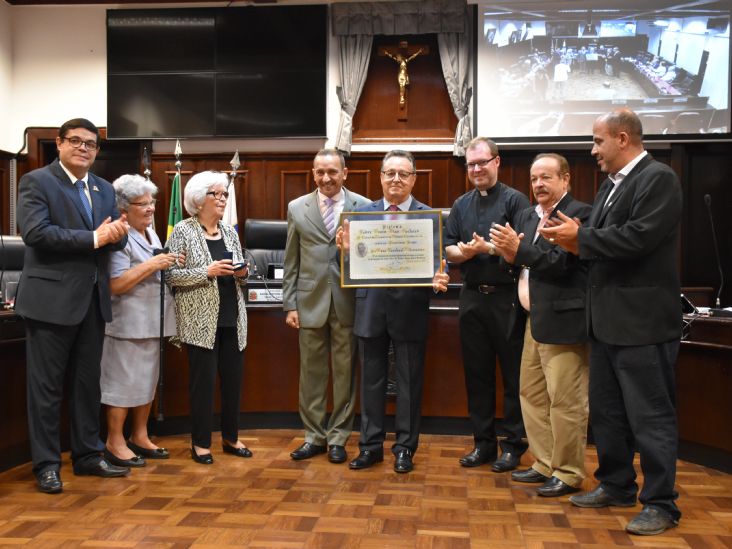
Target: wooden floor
[{"x": 270, "y": 501}]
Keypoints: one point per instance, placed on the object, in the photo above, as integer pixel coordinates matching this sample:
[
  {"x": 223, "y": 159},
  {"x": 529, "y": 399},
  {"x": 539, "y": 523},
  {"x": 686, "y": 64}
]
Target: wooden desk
[
  {"x": 14, "y": 441},
  {"x": 704, "y": 384},
  {"x": 271, "y": 372}
]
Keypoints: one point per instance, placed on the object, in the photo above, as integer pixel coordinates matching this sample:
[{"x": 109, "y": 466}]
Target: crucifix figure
[{"x": 403, "y": 54}]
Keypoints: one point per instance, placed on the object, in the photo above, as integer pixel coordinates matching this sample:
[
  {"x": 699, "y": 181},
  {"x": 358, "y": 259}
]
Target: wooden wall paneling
[
  {"x": 422, "y": 189},
  {"x": 358, "y": 181},
  {"x": 293, "y": 184},
  {"x": 36, "y": 139},
  {"x": 707, "y": 171},
  {"x": 704, "y": 378},
  {"x": 271, "y": 363},
  {"x": 241, "y": 182},
  {"x": 429, "y": 112},
  {"x": 259, "y": 203},
  {"x": 703, "y": 168}
]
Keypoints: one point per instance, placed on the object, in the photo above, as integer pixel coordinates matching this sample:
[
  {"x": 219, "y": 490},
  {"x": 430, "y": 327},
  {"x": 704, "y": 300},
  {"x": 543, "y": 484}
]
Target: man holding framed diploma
[{"x": 391, "y": 258}]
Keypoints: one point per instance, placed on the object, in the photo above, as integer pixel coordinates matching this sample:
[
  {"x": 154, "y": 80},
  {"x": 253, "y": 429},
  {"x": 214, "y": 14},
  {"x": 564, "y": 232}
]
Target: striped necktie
[
  {"x": 80, "y": 186},
  {"x": 329, "y": 216}
]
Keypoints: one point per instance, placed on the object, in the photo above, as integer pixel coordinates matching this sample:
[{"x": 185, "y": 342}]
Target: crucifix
[{"x": 403, "y": 54}]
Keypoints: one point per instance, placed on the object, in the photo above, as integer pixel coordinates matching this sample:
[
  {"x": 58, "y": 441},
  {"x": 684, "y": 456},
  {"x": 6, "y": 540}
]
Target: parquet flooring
[{"x": 270, "y": 501}]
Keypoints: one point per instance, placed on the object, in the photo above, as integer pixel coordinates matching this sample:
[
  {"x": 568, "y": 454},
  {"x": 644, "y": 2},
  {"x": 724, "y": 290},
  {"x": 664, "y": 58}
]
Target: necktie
[
  {"x": 393, "y": 208},
  {"x": 329, "y": 216},
  {"x": 80, "y": 186}
]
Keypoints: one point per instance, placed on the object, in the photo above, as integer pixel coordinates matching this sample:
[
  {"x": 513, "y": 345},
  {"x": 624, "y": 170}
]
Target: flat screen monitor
[
  {"x": 255, "y": 72},
  {"x": 545, "y": 70}
]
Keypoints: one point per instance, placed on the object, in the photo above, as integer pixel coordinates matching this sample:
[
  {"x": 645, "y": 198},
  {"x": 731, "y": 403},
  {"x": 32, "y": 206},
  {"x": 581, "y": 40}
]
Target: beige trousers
[{"x": 554, "y": 405}]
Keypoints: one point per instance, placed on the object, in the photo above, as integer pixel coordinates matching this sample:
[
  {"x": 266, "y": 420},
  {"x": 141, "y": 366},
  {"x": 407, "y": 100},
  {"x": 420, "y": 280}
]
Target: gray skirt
[{"x": 130, "y": 369}]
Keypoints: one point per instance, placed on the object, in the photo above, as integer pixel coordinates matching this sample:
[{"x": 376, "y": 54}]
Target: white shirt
[
  {"x": 85, "y": 179},
  {"x": 523, "y": 282},
  {"x": 617, "y": 178},
  {"x": 403, "y": 207}
]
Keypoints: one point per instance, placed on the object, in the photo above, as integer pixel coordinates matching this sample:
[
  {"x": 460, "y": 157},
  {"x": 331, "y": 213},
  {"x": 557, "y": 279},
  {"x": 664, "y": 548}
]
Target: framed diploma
[{"x": 391, "y": 248}]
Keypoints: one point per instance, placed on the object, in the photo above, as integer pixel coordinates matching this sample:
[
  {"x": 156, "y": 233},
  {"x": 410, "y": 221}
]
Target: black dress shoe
[
  {"x": 403, "y": 463},
  {"x": 203, "y": 459},
  {"x": 337, "y": 454},
  {"x": 239, "y": 452},
  {"x": 101, "y": 468},
  {"x": 599, "y": 498},
  {"x": 148, "y": 453},
  {"x": 477, "y": 457},
  {"x": 308, "y": 450},
  {"x": 555, "y": 487},
  {"x": 650, "y": 521},
  {"x": 134, "y": 461},
  {"x": 507, "y": 462},
  {"x": 528, "y": 475},
  {"x": 49, "y": 482},
  {"x": 367, "y": 458}
]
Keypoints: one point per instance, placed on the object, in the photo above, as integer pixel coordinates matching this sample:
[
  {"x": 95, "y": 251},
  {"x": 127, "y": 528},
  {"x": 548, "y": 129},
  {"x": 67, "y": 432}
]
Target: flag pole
[
  {"x": 146, "y": 172},
  {"x": 173, "y": 214},
  {"x": 234, "y": 167}
]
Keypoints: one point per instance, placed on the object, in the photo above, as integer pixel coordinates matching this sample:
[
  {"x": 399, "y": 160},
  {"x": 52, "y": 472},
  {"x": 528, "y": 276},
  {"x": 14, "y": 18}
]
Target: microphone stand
[
  {"x": 160, "y": 416},
  {"x": 717, "y": 310}
]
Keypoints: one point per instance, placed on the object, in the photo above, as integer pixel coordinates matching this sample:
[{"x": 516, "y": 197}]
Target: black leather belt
[{"x": 488, "y": 288}]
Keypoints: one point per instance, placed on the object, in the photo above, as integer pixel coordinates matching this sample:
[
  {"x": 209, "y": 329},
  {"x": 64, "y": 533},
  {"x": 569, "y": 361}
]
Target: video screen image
[{"x": 545, "y": 71}]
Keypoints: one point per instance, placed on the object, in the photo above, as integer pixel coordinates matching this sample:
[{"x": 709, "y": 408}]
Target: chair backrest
[
  {"x": 265, "y": 241},
  {"x": 689, "y": 122},
  {"x": 654, "y": 123},
  {"x": 12, "y": 254}
]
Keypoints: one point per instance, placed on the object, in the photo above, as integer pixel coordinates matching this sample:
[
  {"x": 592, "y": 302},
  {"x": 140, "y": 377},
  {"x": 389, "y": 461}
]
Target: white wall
[
  {"x": 53, "y": 67},
  {"x": 59, "y": 67},
  {"x": 6, "y": 72}
]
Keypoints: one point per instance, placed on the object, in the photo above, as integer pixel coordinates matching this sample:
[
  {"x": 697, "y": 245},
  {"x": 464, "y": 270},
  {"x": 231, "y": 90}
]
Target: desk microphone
[{"x": 708, "y": 202}]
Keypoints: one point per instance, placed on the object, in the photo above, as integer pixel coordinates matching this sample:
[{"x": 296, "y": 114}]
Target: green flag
[{"x": 175, "y": 212}]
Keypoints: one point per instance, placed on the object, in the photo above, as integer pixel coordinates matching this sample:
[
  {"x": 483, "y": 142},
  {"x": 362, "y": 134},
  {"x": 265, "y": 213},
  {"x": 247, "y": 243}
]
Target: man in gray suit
[{"x": 321, "y": 310}]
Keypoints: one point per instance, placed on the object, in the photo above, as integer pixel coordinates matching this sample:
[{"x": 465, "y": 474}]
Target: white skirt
[{"x": 130, "y": 369}]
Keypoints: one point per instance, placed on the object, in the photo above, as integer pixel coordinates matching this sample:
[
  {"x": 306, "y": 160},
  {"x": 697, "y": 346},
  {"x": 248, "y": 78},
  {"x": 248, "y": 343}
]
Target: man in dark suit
[
  {"x": 486, "y": 302},
  {"x": 551, "y": 289},
  {"x": 398, "y": 315},
  {"x": 69, "y": 223},
  {"x": 634, "y": 321},
  {"x": 320, "y": 309}
]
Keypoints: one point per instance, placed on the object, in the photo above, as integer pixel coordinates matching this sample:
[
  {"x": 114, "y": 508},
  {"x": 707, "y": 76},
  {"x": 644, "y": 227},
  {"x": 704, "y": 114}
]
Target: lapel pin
[{"x": 95, "y": 188}]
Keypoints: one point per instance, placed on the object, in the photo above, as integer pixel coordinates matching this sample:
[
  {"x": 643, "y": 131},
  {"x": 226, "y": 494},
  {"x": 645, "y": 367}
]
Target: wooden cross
[{"x": 403, "y": 54}]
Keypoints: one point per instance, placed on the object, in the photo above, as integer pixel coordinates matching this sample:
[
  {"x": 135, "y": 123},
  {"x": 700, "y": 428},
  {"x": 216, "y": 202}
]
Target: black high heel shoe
[
  {"x": 239, "y": 452},
  {"x": 203, "y": 459}
]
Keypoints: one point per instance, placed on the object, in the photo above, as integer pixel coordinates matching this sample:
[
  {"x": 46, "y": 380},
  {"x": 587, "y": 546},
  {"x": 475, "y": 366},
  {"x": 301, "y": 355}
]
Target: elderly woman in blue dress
[
  {"x": 210, "y": 312},
  {"x": 131, "y": 356}
]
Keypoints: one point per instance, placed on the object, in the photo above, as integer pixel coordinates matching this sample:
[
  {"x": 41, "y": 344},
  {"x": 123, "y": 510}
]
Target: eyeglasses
[
  {"x": 480, "y": 163},
  {"x": 144, "y": 204},
  {"x": 391, "y": 174},
  {"x": 77, "y": 142},
  {"x": 218, "y": 195}
]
